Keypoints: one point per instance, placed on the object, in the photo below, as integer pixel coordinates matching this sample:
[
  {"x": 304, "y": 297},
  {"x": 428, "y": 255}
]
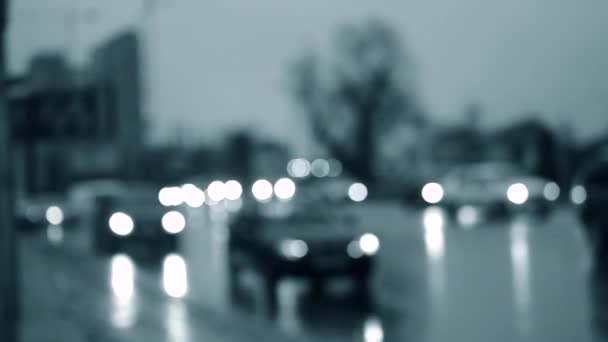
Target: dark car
[
  {"x": 592, "y": 192},
  {"x": 135, "y": 216},
  {"x": 309, "y": 242}
]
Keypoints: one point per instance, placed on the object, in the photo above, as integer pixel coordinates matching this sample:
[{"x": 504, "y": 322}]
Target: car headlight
[
  {"x": 518, "y": 193},
  {"x": 432, "y": 193},
  {"x": 121, "y": 224},
  {"x": 173, "y": 222},
  {"x": 369, "y": 244},
  {"x": 54, "y": 215},
  {"x": 293, "y": 249}
]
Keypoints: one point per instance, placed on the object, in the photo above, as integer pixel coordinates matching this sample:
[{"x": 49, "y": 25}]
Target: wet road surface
[{"x": 522, "y": 279}]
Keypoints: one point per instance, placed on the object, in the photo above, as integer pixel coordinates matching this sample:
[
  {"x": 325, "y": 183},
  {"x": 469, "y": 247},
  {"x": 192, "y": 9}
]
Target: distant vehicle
[
  {"x": 591, "y": 193},
  {"x": 327, "y": 190},
  {"x": 493, "y": 189},
  {"x": 310, "y": 242},
  {"x": 135, "y": 216},
  {"x": 41, "y": 210}
]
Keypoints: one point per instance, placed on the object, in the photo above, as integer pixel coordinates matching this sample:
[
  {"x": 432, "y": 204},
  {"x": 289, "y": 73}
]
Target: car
[
  {"x": 309, "y": 241},
  {"x": 40, "y": 210},
  {"x": 136, "y": 216},
  {"x": 492, "y": 189},
  {"x": 590, "y": 194}
]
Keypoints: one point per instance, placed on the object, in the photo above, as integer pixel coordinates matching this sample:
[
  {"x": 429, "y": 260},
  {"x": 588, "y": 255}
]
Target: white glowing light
[
  {"x": 175, "y": 276},
  {"x": 320, "y": 168},
  {"x": 122, "y": 277},
  {"x": 432, "y": 193},
  {"x": 578, "y": 194},
  {"x": 121, "y": 224},
  {"x": 357, "y": 192},
  {"x": 217, "y": 191},
  {"x": 284, "y": 188},
  {"x": 369, "y": 244},
  {"x": 468, "y": 215},
  {"x": 54, "y": 215},
  {"x": 373, "y": 331},
  {"x": 171, "y": 196},
  {"x": 173, "y": 222},
  {"x": 262, "y": 190},
  {"x": 551, "y": 191},
  {"x": 233, "y": 190},
  {"x": 517, "y": 193},
  {"x": 192, "y": 195},
  {"x": 294, "y": 249},
  {"x": 299, "y": 168}
]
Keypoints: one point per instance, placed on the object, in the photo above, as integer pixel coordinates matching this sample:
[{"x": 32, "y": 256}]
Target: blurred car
[
  {"x": 310, "y": 242},
  {"x": 135, "y": 216},
  {"x": 41, "y": 210},
  {"x": 82, "y": 195},
  {"x": 590, "y": 192},
  {"x": 492, "y": 189}
]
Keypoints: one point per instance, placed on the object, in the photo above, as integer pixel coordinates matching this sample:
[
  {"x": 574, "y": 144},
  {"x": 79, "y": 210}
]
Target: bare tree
[{"x": 360, "y": 96}]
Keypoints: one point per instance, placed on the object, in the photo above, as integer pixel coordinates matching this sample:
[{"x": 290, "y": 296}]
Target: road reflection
[
  {"x": 433, "y": 219},
  {"x": 175, "y": 276},
  {"x": 520, "y": 263},
  {"x": 122, "y": 282}
]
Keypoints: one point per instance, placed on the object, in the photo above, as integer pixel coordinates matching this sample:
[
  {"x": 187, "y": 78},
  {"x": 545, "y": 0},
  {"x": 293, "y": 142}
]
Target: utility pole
[{"x": 9, "y": 297}]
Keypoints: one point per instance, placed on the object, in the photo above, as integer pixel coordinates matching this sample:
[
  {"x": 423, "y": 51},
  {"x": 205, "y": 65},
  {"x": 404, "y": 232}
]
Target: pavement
[{"x": 519, "y": 279}]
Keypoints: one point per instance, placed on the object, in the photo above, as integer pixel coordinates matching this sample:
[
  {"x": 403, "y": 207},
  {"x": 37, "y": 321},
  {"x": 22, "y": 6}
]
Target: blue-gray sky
[{"x": 217, "y": 65}]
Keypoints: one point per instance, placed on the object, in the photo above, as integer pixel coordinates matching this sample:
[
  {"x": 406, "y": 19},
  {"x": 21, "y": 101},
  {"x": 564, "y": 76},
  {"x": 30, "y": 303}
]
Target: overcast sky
[{"x": 217, "y": 65}]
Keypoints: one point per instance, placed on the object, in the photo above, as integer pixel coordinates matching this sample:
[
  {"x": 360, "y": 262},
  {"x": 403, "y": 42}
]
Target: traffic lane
[
  {"x": 508, "y": 280},
  {"x": 70, "y": 294},
  {"x": 438, "y": 280},
  {"x": 434, "y": 281}
]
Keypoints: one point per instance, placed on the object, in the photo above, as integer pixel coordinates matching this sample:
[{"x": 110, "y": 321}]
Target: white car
[{"x": 492, "y": 189}]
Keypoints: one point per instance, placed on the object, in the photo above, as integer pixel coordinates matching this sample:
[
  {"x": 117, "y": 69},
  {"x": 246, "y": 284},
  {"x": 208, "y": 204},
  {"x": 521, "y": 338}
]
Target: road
[{"x": 521, "y": 279}]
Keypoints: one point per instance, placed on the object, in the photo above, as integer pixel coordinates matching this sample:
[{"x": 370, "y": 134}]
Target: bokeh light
[
  {"x": 578, "y": 194},
  {"x": 517, "y": 193},
  {"x": 216, "y": 191},
  {"x": 369, "y": 244},
  {"x": 293, "y": 249},
  {"x": 121, "y": 224},
  {"x": 173, "y": 222},
  {"x": 551, "y": 191},
  {"x": 354, "y": 250},
  {"x": 432, "y": 193},
  {"x": 262, "y": 190},
  {"x": 467, "y": 215},
  {"x": 54, "y": 215},
  {"x": 320, "y": 168},
  {"x": 170, "y": 196},
  {"x": 299, "y": 168},
  {"x": 192, "y": 195},
  {"x": 284, "y": 188},
  {"x": 357, "y": 192},
  {"x": 233, "y": 190}
]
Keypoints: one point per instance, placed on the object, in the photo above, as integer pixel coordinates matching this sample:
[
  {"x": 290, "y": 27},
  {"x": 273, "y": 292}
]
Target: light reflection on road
[
  {"x": 122, "y": 280},
  {"x": 175, "y": 276},
  {"x": 433, "y": 220}
]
